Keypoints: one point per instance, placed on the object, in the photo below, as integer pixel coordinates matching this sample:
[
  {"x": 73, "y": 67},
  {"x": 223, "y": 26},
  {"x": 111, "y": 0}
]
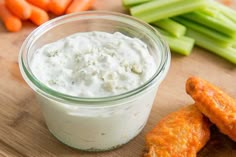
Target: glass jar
[{"x": 102, "y": 123}]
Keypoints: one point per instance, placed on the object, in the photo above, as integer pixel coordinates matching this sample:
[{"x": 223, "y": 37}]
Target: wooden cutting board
[{"x": 23, "y": 131}]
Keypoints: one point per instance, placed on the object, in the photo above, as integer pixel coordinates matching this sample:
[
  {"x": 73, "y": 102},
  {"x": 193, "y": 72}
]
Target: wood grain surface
[{"x": 22, "y": 128}]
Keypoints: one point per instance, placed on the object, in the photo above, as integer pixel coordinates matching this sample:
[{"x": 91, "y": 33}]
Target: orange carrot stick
[
  {"x": 79, "y": 5},
  {"x": 58, "y": 7},
  {"x": 38, "y": 15},
  {"x": 227, "y": 2},
  {"x": 19, "y": 7},
  {"x": 43, "y": 4},
  {"x": 11, "y": 22}
]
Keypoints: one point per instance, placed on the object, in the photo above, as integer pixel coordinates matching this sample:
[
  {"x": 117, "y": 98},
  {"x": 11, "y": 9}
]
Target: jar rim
[{"x": 39, "y": 87}]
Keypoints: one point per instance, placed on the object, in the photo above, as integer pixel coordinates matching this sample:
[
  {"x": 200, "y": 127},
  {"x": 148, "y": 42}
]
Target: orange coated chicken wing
[
  {"x": 219, "y": 107},
  {"x": 180, "y": 134}
]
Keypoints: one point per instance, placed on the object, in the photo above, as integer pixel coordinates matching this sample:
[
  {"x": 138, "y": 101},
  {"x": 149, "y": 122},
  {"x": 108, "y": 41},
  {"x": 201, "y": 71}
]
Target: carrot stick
[
  {"x": 58, "y": 7},
  {"x": 79, "y": 5},
  {"x": 43, "y": 4},
  {"x": 38, "y": 15},
  {"x": 227, "y": 2},
  {"x": 19, "y": 7},
  {"x": 11, "y": 22}
]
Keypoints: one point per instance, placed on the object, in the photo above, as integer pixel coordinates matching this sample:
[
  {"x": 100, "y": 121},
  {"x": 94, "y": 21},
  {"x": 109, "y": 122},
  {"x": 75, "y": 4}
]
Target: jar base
[{"x": 94, "y": 149}]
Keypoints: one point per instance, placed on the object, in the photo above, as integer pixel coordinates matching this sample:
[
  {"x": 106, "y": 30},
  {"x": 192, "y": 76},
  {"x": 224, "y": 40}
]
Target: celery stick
[
  {"x": 214, "y": 12},
  {"x": 150, "y": 6},
  {"x": 208, "y": 43},
  {"x": 230, "y": 13},
  {"x": 225, "y": 19},
  {"x": 209, "y": 11},
  {"x": 170, "y": 10},
  {"x": 171, "y": 26},
  {"x": 133, "y": 2},
  {"x": 224, "y": 14},
  {"x": 213, "y": 23},
  {"x": 234, "y": 45},
  {"x": 182, "y": 45},
  {"x": 223, "y": 39}
]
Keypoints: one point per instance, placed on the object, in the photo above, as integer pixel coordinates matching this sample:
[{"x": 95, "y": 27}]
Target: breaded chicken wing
[
  {"x": 219, "y": 107},
  {"x": 180, "y": 134}
]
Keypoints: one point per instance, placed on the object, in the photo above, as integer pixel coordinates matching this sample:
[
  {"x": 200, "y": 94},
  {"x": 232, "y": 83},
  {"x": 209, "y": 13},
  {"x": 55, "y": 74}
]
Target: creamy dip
[{"x": 93, "y": 64}]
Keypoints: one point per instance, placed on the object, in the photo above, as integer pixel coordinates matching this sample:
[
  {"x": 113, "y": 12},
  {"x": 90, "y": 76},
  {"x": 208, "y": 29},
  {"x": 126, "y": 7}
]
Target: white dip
[{"x": 93, "y": 64}]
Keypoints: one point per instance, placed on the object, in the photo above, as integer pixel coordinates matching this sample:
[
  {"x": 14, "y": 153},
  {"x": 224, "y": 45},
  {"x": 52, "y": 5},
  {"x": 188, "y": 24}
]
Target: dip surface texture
[{"x": 93, "y": 64}]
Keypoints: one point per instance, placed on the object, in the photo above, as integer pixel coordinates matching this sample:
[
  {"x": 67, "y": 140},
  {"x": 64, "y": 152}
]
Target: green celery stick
[
  {"x": 182, "y": 45},
  {"x": 209, "y": 11},
  {"x": 171, "y": 26},
  {"x": 218, "y": 10},
  {"x": 214, "y": 12},
  {"x": 230, "y": 13},
  {"x": 223, "y": 39},
  {"x": 234, "y": 45},
  {"x": 170, "y": 10},
  {"x": 129, "y": 3},
  {"x": 139, "y": 9},
  {"x": 225, "y": 19},
  {"x": 222, "y": 26},
  {"x": 228, "y": 53}
]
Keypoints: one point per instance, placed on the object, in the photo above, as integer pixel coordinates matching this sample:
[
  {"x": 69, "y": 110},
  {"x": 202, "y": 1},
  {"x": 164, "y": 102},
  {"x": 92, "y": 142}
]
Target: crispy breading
[
  {"x": 219, "y": 107},
  {"x": 180, "y": 134}
]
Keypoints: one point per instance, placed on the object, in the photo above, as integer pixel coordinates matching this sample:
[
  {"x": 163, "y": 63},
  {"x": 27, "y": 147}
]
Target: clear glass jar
[{"x": 95, "y": 124}]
